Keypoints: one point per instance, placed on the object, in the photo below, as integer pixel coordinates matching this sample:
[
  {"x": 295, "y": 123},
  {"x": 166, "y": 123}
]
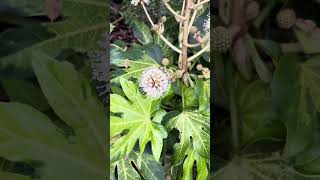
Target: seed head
[
  {"x": 221, "y": 39},
  {"x": 199, "y": 67},
  {"x": 286, "y": 18},
  {"x": 136, "y": 2},
  {"x": 154, "y": 82}
]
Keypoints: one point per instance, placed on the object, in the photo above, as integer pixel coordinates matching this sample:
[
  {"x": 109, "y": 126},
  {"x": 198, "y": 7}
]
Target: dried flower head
[
  {"x": 154, "y": 82},
  {"x": 136, "y": 2}
]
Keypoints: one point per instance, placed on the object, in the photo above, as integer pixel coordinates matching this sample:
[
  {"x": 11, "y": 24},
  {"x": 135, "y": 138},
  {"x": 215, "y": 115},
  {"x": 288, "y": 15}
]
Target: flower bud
[
  {"x": 193, "y": 29},
  {"x": 199, "y": 67},
  {"x": 206, "y": 73},
  {"x": 185, "y": 79},
  {"x": 179, "y": 73},
  {"x": 286, "y": 18},
  {"x": 126, "y": 63},
  {"x": 165, "y": 61},
  {"x": 163, "y": 19}
]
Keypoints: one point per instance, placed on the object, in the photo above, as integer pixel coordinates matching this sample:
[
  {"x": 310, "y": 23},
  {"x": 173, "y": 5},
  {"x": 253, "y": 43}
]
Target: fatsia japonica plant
[{"x": 160, "y": 94}]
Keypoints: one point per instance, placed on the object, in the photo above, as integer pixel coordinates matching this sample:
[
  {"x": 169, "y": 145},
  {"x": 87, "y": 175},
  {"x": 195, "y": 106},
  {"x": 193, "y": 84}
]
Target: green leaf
[
  {"x": 136, "y": 118},
  {"x": 142, "y": 32},
  {"x": 149, "y": 168},
  {"x": 13, "y": 176},
  {"x": 307, "y": 161},
  {"x": 293, "y": 99},
  {"x": 81, "y": 29},
  {"x": 28, "y": 135},
  {"x": 25, "y": 92},
  {"x": 267, "y": 167},
  {"x": 189, "y": 97},
  {"x": 28, "y": 8},
  {"x": 191, "y": 124},
  {"x": 126, "y": 170},
  {"x": 144, "y": 164},
  {"x": 202, "y": 169},
  {"x": 258, "y": 120},
  {"x": 15, "y": 39},
  {"x": 261, "y": 68},
  {"x": 136, "y": 67},
  {"x": 271, "y": 48},
  {"x": 73, "y": 100},
  {"x": 309, "y": 42},
  {"x": 203, "y": 93},
  {"x": 309, "y": 78},
  {"x": 116, "y": 54},
  {"x": 154, "y": 51}
]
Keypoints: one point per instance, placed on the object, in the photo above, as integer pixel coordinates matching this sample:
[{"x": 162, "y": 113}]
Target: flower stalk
[{"x": 186, "y": 19}]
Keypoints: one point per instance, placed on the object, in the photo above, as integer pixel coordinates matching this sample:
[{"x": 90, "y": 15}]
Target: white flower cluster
[
  {"x": 206, "y": 24},
  {"x": 154, "y": 82},
  {"x": 136, "y": 2}
]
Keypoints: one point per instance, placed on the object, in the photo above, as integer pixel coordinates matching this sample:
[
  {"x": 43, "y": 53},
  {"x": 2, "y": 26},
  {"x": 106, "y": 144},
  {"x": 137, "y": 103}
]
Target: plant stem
[
  {"x": 233, "y": 108},
  {"x": 264, "y": 13},
  {"x": 161, "y": 36},
  {"x": 193, "y": 45},
  {"x": 193, "y": 18},
  {"x": 172, "y": 11},
  {"x": 147, "y": 14},
  {"x": 169, "y": 44},
  {"x": 199, "y": 53},
  {"x": 184, "y": 54},
  {"x": 117, "y": 20},
  {"x": 200, "y": 3}
]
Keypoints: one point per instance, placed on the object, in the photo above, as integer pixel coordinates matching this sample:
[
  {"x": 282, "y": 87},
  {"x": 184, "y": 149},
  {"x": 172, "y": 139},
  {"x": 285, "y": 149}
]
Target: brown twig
[{"x": 184, "y": 54}]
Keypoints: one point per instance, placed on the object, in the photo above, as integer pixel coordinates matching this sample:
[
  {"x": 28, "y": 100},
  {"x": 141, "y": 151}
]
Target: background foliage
[
  {"x": 53, "y": 125},
  {"x": 266, "y": 97}
]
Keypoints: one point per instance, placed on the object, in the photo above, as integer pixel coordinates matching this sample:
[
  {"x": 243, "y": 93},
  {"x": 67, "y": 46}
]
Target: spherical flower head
[
  {"x": 206, "y": 24},
  {"x": 286, "y": 18},
  {"x": 154, "y": 82},
  {"x": 136, "y": 2}
]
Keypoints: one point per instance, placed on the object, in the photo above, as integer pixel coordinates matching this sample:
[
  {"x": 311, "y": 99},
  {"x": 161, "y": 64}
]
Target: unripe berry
[
  {"x": 252, "y": 10},
  {"x": 286, "y": 18},
  {"x": 206, "y": 73},
  {"x": 221, "y": 39},
  {"x": 193, "y": 29},
  {"x": 163, "y": 19},
  {"x": 179, "y": 73},
  {"x": 199, "y": 67},
  {"x": 165, "y": 61},
  {"x": 126, "y": 63},
  {"x": 185, "y": 79},
  {"x": 189, "y": 64}
]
